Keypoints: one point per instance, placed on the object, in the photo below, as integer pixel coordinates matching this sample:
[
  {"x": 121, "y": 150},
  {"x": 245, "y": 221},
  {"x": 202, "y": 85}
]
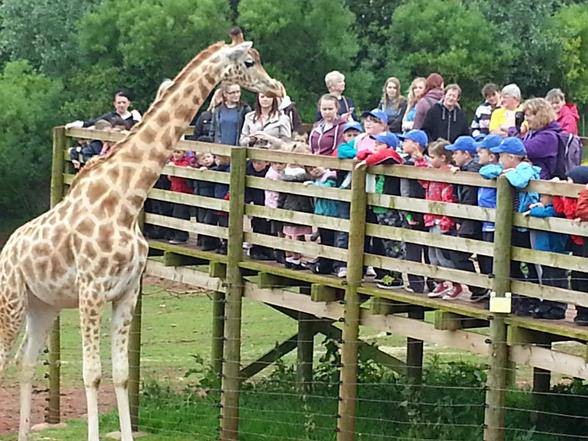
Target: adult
[
  {"x": 446, "y": 119},
  {"x": 203, "y": 123},
  {"x": 415, "y": 93},
  {"x": 504, "y": 118},
  {"x": 567, "y": 113},
  {"x": 335, "y": 82},
  {"x": 266, "y": 126},
  {"x": 327, "y": 133},
  {"x": 393, "y": 103},
  {"x": 228, "y": 117},
  {"x": 481, "y": 122},
  {"x": 541, "y": 140},
  {"x": 122, "y": 102},
  {"x": 433, "y": 93}
]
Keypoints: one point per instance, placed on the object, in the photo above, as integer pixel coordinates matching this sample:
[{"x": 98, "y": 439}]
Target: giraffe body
[{"x": 88, "y": 250}]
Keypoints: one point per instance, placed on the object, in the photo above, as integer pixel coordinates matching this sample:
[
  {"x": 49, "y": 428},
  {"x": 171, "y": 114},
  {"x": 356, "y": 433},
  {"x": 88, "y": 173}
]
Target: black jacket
[
  {"x": 295, "y": 202},
  {"x": 203, "y": 128},
  {"x": 410, "y": 188},
  {"x": 440, "y": 122},
  {"x": 468, "y": 195},
  {"x": 255, "y": 195}
]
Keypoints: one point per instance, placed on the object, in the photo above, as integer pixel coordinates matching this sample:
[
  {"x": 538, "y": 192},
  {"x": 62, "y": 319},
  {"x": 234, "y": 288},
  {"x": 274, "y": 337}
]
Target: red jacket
[
  {"x": 180, "y": 185},
  {"x": 568, "y": 207},
  {"x": 582, "y": 210},
  {"x": 568, "y": 118},
  {"x": 380, "y": 157},
  {"x": 439, "y": 192}
]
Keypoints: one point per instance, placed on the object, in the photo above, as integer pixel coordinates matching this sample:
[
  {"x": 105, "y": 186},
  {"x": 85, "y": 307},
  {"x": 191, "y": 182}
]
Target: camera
[{"x": 519, "y": 119}]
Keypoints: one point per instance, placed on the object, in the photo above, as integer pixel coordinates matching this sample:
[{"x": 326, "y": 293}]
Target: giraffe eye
[{"x": 249, "y": 64}]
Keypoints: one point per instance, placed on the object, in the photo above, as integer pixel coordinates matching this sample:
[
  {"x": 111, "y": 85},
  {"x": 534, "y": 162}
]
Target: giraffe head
[{"x": 242, "y": 65}]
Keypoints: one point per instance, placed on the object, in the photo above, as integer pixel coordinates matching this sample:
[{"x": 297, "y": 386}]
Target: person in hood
[
  {"x": 567, "y": 113},
  {"x": 541, "y": 139},
  {"x": 433, "y": 93},
  {"x": 327, "y": 133},
  {"x": 445, "y": 119}
]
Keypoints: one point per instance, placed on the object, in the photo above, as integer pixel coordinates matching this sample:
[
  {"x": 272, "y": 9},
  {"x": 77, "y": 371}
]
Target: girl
[
  {"x": 393, "y": 103},
  {"x": 415, "y": 93},
  {"x": 327, "y": 133}
]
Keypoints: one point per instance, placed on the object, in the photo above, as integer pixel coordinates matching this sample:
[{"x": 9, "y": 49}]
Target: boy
[
  {"x": 481, "y": 122},
  {"x": 256, "y": 196},
  {"x": 384, "y": 152},
  {"x": 180, "y": 185},
  {"x": 414, "y": 144},
  {"x": 464, "y": 152}
]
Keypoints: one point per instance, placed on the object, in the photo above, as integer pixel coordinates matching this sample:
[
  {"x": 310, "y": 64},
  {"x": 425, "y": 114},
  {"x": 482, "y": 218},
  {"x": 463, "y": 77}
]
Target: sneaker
[
  {"x": 342, "y": 272},
  {"x": 370, "y": 273},
  {"x": 390, "y": 282},
  {"x": 480, "y": 297},
  {"x": 453, "y": 293},
  {"x": 438, "y": 291}
]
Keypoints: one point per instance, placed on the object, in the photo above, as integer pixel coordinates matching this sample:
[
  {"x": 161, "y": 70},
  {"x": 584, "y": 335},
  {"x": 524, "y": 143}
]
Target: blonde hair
[
  {"x": 412, "y": 98},
  {"x": 438, "y": 148},
  {"x": 394, "y": 102},
  {"x": 542, "y": 110},
  {"x": 333, "y": 77}
]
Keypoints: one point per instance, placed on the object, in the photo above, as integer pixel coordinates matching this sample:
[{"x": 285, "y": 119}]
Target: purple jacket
[
  {"x": 324, "y": 142},
  {"x": 542, "y": 146},
  {"x": 424, "y": 104}
]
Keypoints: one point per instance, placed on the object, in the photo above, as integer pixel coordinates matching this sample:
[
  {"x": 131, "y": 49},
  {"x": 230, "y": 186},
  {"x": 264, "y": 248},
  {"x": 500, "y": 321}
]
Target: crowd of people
[{"x": 522, "y": 140}]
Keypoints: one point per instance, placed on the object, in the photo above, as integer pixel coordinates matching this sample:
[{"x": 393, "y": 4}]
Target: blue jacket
[
  {"x": 326, "y": 207},
  {"x": 519, "y": 178},
  {"x": 347, "y": 150},
  {"x": 486, "y": 199},
  {"x": 544, "y": 240}
]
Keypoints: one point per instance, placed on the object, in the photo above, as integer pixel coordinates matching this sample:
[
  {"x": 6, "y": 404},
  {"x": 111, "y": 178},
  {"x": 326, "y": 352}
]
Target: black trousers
[
  {"x": 461, "y": 261},
  {"x": 485, "y": 262},
  {"x": 580, "y": 278},
  {"x": 180, "y": 211},
  {"x": 261, "y": 226},
  {"x": 418, "y": 253}
]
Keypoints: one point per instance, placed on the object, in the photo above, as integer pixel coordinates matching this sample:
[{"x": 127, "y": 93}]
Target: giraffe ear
[{"x": 237, "y": 52}]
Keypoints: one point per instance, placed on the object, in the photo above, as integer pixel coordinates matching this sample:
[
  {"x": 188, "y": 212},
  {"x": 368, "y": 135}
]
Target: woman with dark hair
[
  {"x": 434, "y": 85},
  {"x": 122, "y": 102},
  {"x": 228, "y": 117},
  {"x": 266, "y": 125},
  {"x": 393, "y": 103}
]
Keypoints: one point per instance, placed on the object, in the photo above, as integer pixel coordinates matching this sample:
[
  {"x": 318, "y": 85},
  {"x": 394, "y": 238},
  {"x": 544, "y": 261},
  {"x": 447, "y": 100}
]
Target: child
[
  {"x": 550, "y": 276},
  {"x": 384, "y": 152},
  {"x": 295, "y": 202},
  {"x": 180, "y": 185},
  {"x": 83, "y": 152},
  {"x": 256, "y": 196},
  {"x": 577, "y": 209},
  {"x": 206, "y": 161},
  {"x": 440, "y": 158},
  {"x": 271, "y": 201},
  {"x": 464, "y": 152},
  {"x": 518, "y": 171},
  {"x": 323, "y": 177},
  {"x": 221, "y": 191},
  {"x": 481, "y": 122},
  {"x": 487, "y": 195}
]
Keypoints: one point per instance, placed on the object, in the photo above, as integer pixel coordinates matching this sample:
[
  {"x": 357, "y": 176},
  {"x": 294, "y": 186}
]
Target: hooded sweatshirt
[
  {"x": 424, "y": 104},
  {"x": 324, "y": 141},
  {"x": 542, "y": 146},
  {"x": 442, "y": 122},
  {"x": 568, "y": 118}
]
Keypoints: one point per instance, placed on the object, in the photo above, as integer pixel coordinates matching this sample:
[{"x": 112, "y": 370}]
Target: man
[{"x": 445, "y": 119}]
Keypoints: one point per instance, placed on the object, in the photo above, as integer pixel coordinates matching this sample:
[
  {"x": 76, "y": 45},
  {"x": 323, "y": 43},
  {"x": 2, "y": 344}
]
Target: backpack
[{"x": 569, "y": 154}]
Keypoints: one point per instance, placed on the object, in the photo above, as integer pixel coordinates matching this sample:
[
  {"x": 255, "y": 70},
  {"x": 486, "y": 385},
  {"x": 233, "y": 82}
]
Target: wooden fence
[{"x": 354, "y": 302}]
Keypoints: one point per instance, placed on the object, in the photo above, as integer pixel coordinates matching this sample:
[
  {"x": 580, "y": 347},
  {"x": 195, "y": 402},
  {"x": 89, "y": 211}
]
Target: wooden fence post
[
  {"x": 498, "y": 373},
  {"x": 57, "y": 193},
  {"x": 349, "y": 359},
  {"x": 231, "y": 380},
  {"x": 414, "y": 353}
]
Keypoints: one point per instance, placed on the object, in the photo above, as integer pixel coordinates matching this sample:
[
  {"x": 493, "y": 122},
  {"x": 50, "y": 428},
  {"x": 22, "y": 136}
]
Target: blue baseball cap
[
  {"x": 388, "y": 138},
  {"x": 489, "y": 142},
  {"x": 353, "y": 125},
  {"x": 464, "y": 143},
  {"x": 511, "y": 145},
  {"x": 377, "y": 113},
  {"x": 418, "y": 136}
]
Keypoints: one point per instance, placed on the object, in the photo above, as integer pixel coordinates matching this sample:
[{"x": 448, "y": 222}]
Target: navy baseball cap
[
  {"x": 489, "y": 142},
  {"x": 464, "y": 143},
  {"x": 511, "y": 145},
  {"x": 353, "y": 125},
  {"x": 377, "y": 113},
  {"x": 390, "y": 139},
  {"x": 418, "y": 136}
]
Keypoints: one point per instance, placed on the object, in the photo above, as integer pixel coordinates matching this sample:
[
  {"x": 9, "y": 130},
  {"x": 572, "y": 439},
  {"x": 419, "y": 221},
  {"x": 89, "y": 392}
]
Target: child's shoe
[
  {"x": 438, "y": 290},
  {"x": 342, "y": 272},
  {"x": 453, "y": 293},
  {"x": 390, "y": 282},
  {"x": 370, "y": 274}
]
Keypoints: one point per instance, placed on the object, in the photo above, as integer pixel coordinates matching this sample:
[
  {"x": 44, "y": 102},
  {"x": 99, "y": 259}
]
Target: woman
[
  {"x": 327, "y": 133},
  {"x": 121, "y": 103},
  {"x": 393, "y": 103},
  {"x": 504, "y": 119},
  {"x": 228, "y": 117},
  {"x": 266, "y": 125},
  {"x": 434, "y": 85},
  {"x": 415, "y": 93},
  {"x": 567, "y": 113},
  {"x": 541, "y": 139}
]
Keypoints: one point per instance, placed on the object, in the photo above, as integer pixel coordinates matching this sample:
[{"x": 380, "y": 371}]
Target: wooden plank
[
  {"x": 279, "y": 269},
  {"x": 422, "y": 269},
  {"x": 552, "y": 224},
  {"x": 424, "y": 206},
  {"x": 557, "y": 328},
  {"x": 322, "y": 293},
  {"x": 189, "y": 199},
  {"x": 297, "y": 217},
  {"x": 297, "y": 246},
  {"x": 556, "y": 260},
  {"x": 184, "y": 275},
  {"x": 382, "y": 306},
  {"x": 182, "y": 249},
  {"x": 299, "y": 158},
  {"x": 529, "y": 289},
  {"x": 429, "y": 239},
  {"x": 549, "y": 359},
  {"x": 561, "y": 188},
  {"x": 174, "y": 259},
  {"x": 217, "y": 269},
  {"x": 195, "y": 173},
  {"x": 450, "y": 321},
  {"x": 336, "y": 194},
  {"x": 268, "y": 280},
  {"x": 186, "y": 225},
  {"x": 270, "y": 357},
  {"x": 431, "y": 174}
]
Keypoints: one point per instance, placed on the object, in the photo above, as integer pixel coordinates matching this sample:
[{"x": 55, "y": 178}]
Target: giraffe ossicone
[{"x": 88, "y": 250}]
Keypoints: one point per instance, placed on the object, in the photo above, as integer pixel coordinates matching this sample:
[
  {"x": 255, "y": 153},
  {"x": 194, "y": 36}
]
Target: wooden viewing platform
[{"x": 339, "y": 307}]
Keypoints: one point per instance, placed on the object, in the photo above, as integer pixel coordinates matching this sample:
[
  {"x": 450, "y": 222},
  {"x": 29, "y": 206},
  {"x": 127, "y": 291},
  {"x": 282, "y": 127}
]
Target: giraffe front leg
[
  {"x": 122, "y": 315},
  {"x": 90, "y": 320}
]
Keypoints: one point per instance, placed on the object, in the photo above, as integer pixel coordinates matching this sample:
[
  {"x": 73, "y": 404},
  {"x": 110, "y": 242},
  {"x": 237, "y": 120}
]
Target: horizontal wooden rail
[
  {"x": 189, "y": 199},
  {"x": 186, "y": 225},
  {"x": 299, "y": 158},
  {"x": 297, "y": 246},
  {"x": 297, "y": 217},
  {"x": 298, "y": 188}
]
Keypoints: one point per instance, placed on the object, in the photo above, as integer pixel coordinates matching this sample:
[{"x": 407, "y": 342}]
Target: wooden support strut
[{"x": 218, "y": 270}]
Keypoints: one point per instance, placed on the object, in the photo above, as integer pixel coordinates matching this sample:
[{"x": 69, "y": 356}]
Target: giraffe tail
[{"x": 11, "y": 318}]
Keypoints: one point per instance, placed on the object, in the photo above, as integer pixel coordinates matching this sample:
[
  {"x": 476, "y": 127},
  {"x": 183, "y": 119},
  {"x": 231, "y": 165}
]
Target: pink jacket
[{"x": 568, "y": 118}]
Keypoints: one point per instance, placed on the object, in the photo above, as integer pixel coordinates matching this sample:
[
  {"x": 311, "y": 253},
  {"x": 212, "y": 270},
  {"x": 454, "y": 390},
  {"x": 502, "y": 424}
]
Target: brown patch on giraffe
[
  {"x": 174, "y": 100},
  {"x": 125, "y": 217},
  {"x": 85, "y": 227},
  {"x": 183, "y": 112},
  {"x": 147, "y": 178},
  {"x": 147, "y": 134},
  {"x": 209, "y": 79},
  {"x": 163, "y": 118},
  {"x": 189, "y": 90},
  {"x": 167, "y": 137},
  {"x": 96, "y": 190},
  {"x": 136, "y": 201},
  {"x": 89, "y": 250},
  {"x": 113, "y": 174},
  {"x": 42, "y": 267},
  {"x": 109, "y": 204}
]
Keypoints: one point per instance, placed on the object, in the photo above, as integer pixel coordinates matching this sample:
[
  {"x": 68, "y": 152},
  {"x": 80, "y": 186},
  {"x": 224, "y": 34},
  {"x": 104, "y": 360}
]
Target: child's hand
[
  {"x": 412, "y": 222},
  {"x": 360, "y": 165},
  {"x": 586, "y": 186},
  {"x": 453, "y": 169},
  {"x": 202, "y": 167},
  {"x": 556, "y": 179},
  {"x": 417, "y": 154},
  {"x": 536, "y": 204},
  {"x": 527, "y": 213},
  {"x": 307, "y": 183}
]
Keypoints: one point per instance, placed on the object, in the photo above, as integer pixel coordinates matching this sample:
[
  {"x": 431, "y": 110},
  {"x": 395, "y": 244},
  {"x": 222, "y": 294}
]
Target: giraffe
[{"x": 88, "y": 251}]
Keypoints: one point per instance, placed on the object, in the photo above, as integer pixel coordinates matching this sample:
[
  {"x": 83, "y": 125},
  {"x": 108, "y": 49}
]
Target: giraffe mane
[{"x": 98, "y": 161}]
